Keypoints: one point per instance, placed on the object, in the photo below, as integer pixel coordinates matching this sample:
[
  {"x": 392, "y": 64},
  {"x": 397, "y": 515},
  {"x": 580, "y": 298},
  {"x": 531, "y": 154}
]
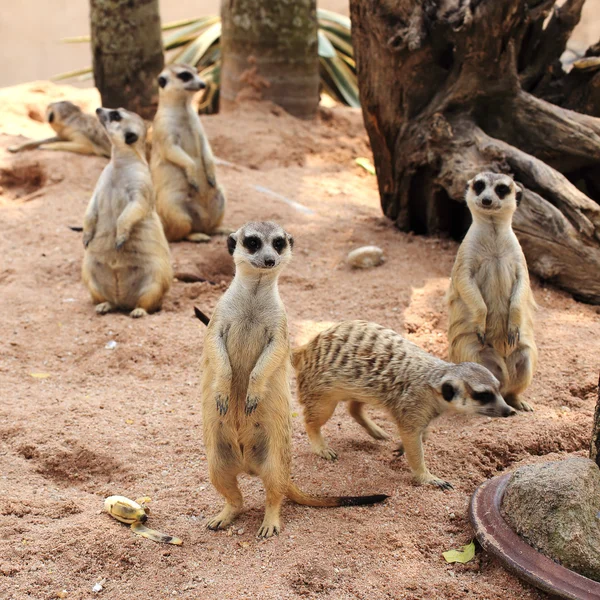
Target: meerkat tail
[
  {"x": 200, "y": 315},
  {"x": 75, "y": 228},
  {"x": 295, "y": 494},
  {"x": 297, "y": 356}
]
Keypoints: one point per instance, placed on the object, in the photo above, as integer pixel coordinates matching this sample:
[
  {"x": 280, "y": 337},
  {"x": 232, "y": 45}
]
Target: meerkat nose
[
  {"x": 486, "y": 202},
  {"x": 98, "y": 111},
  {"x": 269, "y": 262},
  {"x": 509, "y": 412}
]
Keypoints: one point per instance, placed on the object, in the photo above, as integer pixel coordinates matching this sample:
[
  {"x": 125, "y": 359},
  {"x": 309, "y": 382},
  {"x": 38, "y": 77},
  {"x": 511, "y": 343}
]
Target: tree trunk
[
  {"x": 127, "y": 53},
  {"x": 595, "y": 445},
  {"x": 459, "y": 102},
  {"x": 269, "y": 52}
]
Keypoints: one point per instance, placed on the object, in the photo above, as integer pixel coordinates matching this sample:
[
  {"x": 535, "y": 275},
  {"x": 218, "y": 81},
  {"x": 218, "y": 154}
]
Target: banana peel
[{"x": 135, "y": 513}]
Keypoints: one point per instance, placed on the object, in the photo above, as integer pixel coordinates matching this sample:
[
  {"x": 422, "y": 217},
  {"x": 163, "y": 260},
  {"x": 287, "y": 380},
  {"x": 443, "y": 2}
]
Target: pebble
[
  {"x": 111, "y": 345},
  {"x": 365, "y": 257}
]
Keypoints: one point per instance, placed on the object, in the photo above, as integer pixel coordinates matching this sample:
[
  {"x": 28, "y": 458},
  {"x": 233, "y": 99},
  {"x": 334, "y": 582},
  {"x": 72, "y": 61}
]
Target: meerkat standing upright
[
  {"x": 245, "y": 382},
  {"x": 189, "y": 201},
  {"x": 76, "y": 132},
  {"x": 490, "y": 300},
  {"x": 127, "y": 263}
]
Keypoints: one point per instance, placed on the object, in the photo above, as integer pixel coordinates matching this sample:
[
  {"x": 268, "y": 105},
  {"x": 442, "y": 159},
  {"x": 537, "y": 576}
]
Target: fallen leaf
[
  {"x": 129, "y": 421},
  {"x": 366, "y": 164},
  {"x": 461, "y": 556},
  {"x": 40, "y": 375}
]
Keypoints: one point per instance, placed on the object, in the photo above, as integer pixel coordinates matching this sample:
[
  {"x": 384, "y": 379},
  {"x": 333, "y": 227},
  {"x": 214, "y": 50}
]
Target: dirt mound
[{"x": 20, "y": 180}]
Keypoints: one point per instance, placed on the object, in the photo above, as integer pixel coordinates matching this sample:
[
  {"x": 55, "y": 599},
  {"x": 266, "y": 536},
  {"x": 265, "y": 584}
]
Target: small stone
[
  {"x": 452, "y": 516},
  {"x": 240, "y": 531},
  {"x": 111, "y": 345},
  {"x": 97, "y": 588},
  {"x": 365, "y": 257}
]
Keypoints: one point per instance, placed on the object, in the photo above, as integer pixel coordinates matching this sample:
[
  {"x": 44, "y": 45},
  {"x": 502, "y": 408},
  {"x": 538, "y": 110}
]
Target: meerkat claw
[
  {"x": 267, "y": 531},
  {"x": 327, "y": 454},
  {"x": 222, "y": 404},
  {"x": 481, "y": 338},
  {"x": 137, "y": 313},
  {"x": 399, "y": 451},
  {"x": 443, "y": 485},
  {"x": 251, "y": 404}
]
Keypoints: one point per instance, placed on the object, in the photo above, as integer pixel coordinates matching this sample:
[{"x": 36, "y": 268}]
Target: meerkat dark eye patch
[
  {"x": 448, "y": 392},
  {"x": 131, "y": 138},
  {"x": 252, "y": 243},
  {"x": 484, "y": 397},
  {"x": 519, "y": 195},
  {"x": 114, "y": 115},
  {"x": 162, "y": 81},
  {"x": 479, "y": 186},
  {"x": 231, "y": 243},
  {"x": 185, "y": 76},
  {"x": 50, "y": 117},
  {"x": 279, "y": 244},
  {"x": 502, "y": 190}
]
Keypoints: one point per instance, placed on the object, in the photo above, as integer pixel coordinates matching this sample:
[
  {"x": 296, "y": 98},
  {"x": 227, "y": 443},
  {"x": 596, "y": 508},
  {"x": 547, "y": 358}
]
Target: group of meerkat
[
  {"x": 246, "y": 360},
  {"x": 137, "y": 208}
]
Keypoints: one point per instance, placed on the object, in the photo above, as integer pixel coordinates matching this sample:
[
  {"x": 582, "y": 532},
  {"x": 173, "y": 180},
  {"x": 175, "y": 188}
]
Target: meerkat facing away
[
  {"x": 76, "y": 132},
  {"x": 365, "y": 363},
  {"x": 245, "y": 382},
  {"x": 190, "y": 203},
  {"x": 127, "y": 262},
  {"x": 490, "y": 300}
]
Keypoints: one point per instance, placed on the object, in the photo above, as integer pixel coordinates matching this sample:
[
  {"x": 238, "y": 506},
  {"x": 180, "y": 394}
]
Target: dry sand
[{"x": 127, "y": 420}]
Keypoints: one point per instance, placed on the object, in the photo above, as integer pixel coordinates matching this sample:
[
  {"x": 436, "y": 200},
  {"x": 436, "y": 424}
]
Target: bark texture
[
  {"x": 595, "y": 444},
  {"x": 127, "y": 53},
  {"x": 448, "y": 89},
  {"x": 269, "y": 52}
]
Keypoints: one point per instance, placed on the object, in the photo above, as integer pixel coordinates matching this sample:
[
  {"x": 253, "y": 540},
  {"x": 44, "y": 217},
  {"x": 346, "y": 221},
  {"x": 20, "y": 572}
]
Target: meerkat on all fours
[
  {"x": 75, "y": 130},
  {"x": 127, "y": 264},
  {"x": 490, "y": 301},
  {"x": 245, "y": 382},
  {"x": 365, "y": 363},
  {"x": 189, "y": 201}
]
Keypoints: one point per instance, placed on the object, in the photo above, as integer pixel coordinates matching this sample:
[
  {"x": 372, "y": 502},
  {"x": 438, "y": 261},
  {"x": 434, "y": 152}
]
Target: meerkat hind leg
[
  {"x": 413, "y": 447},
  {"x": 317, "y": 411},
  {"x": 520, "y": 374},
  {"x": 357, "y": 413},
  {"x": 271, "y": 524},
  {"x": 226, "y": 484},
  {"x": 104, "y": 308},
  {"x": 399, "y": 451}
]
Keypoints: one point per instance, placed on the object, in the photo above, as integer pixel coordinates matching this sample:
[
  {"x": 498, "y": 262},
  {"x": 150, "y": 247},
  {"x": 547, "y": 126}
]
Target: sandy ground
[{"x": 127, "y": 420}]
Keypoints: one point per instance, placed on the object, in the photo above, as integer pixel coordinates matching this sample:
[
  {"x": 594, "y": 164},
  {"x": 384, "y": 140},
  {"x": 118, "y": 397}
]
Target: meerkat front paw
[
  {"x": 120, "y": 240},
  {"x": 513, "y": 336},
  {"x": 88, "y": 236},
  {"x": 443, "y": 485},
  {"x": 399, "y": 451},
  {"x": 222, "y": 401},
  {"x": 198, "y": 238},
  {"x": 104, "y": 307},
  {"x": 518, "y": 404},
  {"x": 211, "y": 178},
  {"x": 327, "y": 453},
  {"x": 137, "y": 313},
  {"x": 480, "y": 335},
  {"x": 268, "y": 529},
  {"x": 193, "y": 180},
  {"x": 251, "y": 403}
]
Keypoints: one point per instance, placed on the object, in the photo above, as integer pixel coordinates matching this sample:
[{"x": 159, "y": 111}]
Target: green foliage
[{"x": 197, "y": 42}]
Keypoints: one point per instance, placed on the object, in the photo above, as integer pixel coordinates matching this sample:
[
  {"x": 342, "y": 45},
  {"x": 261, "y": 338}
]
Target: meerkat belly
[{"x": 495, "y": 279}]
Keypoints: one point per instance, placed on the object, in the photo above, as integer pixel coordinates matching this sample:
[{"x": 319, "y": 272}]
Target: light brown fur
[
  {"x": 75, "y": 130},
  {"x": 190, "y": 203},
  {"x": 365, "y": 363},
  {"x": 245, "y": 382},
  {"x": 127, "y": 261},
  {"x": 490, "y": 301}
]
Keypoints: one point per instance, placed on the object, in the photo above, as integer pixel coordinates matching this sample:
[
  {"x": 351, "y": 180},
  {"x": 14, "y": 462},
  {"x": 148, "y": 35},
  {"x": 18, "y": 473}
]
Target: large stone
[{"x": 554, "y": 507}]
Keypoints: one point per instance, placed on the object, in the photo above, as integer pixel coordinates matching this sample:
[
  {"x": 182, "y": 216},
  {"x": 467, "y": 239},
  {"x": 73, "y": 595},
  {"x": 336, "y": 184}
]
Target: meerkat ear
[
  {"x": 131, "y": 138},
  {"x": 448, "y": 390},
  {"x": 50, "y": 117},
  {"x": 231, "y": 243},
  {"x": 290, "y": 241},
  {"x": 468, "y": 185},
  {"x": 518, "y": 192},
  {"x": 162, "y": 81}
]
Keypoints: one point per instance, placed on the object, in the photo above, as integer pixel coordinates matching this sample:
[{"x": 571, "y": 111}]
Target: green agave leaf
[
  {"x": 71, "y": 74},
  {"x": 344, "y": 79},
  {"x": 333, "y": 17},
  {"x": 339, "y": 43},
  {"x": 196, "y": 49},
  {"x": 76, "y": 40},
  {"x": 182, "y": 23},
  {"x": 326, "y": 49},
  {"x": 189, "y": 33}
]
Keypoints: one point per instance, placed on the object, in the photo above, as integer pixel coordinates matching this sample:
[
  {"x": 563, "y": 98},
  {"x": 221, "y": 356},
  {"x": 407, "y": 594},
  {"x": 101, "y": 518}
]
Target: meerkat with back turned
[
  {"x": 490, "y": 301},
  {"x": 75, "y": 130},
  {"x": 245, "y": 382},
  {"x": 127, "y": 263},
  {"x": 189, "y": 201},
  {"x": 365, "y": 363}
]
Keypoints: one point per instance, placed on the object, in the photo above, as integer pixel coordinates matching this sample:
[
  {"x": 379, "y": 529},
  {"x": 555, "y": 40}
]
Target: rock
[
  {"x": 365, "y": 257},
  {"x": 553, "y": 507}
]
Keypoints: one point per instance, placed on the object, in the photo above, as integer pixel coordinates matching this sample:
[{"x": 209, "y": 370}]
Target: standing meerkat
[
  {"x": 245, "y": 382},
  {"x": 189, "y": 201},
  {"x": 127, "y": 262},
  {"x": 365, "y": 363},
  {"x": 75, "y": 130},
  {"x": 490, "y": 301}
]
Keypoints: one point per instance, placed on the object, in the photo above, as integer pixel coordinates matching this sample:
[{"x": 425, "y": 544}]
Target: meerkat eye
[
  {"x": 252, "y": 243},
  {"x": 502, "y": 190},
  {"x": 114, "y": 116},
  {"x": 479, "y": 186},
  {"x": 484, "y": 397},
  {"x": 279, "y": 244},
  {"x": 185, "y": 76}
]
